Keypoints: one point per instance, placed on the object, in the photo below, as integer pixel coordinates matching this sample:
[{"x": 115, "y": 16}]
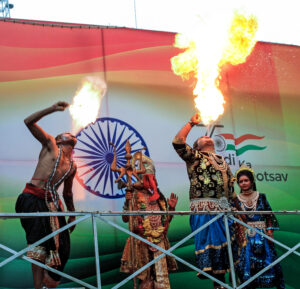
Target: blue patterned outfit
[
  {"x": 210, "y": 181},
  {"x": 259, "y": 252},
  {"x": 211, "y": 245}
]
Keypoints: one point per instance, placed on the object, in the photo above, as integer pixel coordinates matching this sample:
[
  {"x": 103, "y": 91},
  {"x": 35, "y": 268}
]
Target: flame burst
[
  {"x": 207, "y": 50},
  {"x": 87, "y": 102}
]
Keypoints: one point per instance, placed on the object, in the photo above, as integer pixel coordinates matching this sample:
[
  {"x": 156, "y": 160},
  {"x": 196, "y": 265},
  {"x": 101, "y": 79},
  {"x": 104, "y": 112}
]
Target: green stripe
[
  {"x": 249, "y": 147},
  {"x": 243, "y": 149},
  {"x": 230, "y": 147}
]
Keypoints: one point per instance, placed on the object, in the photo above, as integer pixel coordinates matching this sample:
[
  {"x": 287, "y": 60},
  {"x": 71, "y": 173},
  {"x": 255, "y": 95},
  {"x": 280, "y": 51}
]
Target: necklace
[
  {"x": 155, "y": 220},
  {"x": 249, "y": 203},
  {"x": 218, "y": 162},
  {"x": 52, "y": 187}
]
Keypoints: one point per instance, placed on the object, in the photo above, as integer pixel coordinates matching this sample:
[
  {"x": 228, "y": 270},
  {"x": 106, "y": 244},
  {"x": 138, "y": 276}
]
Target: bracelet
[{"x": 191, "y": 123}]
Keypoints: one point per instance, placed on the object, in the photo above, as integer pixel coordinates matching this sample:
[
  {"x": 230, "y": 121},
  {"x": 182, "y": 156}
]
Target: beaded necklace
[
  {"x": 52, "y": 188},
  {"x": 217, "y": 161},
  {"x": 249, "y": 204}
]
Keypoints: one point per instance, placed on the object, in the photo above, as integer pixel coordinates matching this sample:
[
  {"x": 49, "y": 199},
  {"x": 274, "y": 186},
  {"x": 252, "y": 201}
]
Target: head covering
[{"x": 243, "y": 168}]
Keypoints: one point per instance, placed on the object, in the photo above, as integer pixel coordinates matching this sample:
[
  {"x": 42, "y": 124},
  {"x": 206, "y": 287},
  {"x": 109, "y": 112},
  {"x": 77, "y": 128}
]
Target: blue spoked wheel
[
  {"x": 94, "y": 155},
  {"x": 220, "y": 143}
]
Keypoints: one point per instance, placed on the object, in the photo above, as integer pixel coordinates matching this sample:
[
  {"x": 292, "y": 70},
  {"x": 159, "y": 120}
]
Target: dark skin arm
[
  {"x": 43, "y": 137},
  {"x": 181, "y": 136},
  {"x": 270, "y": 234},
  {"x": 238, "y": 207},
  {"x": 172, "y": 202},
  {"x": 171, "y": 207},
  {"x": 269, "y": 224},
  {"x": 68, "y": 196}
]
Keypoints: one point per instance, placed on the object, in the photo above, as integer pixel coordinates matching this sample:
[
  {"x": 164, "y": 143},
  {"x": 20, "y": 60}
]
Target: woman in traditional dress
[{"x": 259, "y": 252}]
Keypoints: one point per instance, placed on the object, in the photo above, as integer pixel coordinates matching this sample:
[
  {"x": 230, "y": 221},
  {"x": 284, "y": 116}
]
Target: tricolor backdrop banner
[{"x": 146, "y": 103}]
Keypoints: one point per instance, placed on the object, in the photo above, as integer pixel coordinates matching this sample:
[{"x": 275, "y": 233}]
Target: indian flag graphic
[{"x": 241, "y": 144}]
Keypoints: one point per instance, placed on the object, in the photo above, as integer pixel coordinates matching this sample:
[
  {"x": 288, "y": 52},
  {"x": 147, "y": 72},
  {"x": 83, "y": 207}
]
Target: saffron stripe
[
  {"x": 245, "y": 137},
  {"x": 240, "y": 139},
  {"x": 227, "y": 135}
]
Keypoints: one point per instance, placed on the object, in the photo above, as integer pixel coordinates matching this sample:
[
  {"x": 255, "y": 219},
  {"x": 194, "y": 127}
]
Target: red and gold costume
[{"x": 153, "y": 228}]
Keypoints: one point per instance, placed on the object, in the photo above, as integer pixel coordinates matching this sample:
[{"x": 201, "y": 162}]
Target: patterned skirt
[
  {"x": 211, "y": 245},
  {"x": 258, "y": 254}
]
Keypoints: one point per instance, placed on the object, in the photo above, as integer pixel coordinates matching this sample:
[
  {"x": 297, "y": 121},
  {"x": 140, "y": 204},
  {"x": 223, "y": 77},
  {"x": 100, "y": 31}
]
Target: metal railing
[
  {"x": 226, "y": 215},
  {"x": 5, "y": 8}
]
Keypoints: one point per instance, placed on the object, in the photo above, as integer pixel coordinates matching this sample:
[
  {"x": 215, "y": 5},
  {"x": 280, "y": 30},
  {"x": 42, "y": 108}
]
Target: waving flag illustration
[{"x": 239, "y": 144}]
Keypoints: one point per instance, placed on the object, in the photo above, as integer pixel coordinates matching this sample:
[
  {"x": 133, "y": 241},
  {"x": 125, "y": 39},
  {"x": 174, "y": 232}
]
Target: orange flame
[
  {"x": 206, "y": 52},
  {"x": 241, "y": 40},
  {"x": 87, "y": 102}
]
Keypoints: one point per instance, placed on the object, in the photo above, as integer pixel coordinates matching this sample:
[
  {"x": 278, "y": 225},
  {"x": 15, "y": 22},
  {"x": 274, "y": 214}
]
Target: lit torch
[
  {"x": 207, "y": 50},
  {"x": 87, "y": 102}
]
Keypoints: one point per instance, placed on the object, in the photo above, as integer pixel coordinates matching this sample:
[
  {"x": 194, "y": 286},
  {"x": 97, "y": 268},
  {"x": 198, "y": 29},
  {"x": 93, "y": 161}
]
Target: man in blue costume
[
  {"x": 55, "y": 166},
  {"x": 211, "y": 187}
]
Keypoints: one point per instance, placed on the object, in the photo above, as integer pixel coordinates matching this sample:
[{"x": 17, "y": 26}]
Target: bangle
[{"x": 191, "y": 123}]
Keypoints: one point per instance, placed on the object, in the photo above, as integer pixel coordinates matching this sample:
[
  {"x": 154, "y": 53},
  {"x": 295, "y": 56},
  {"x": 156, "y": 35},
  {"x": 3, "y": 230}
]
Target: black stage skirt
[{"x": 39, "y": 227}]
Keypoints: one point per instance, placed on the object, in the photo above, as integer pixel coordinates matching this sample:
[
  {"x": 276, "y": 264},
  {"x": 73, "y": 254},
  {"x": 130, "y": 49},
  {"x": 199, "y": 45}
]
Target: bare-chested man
[{"x": 55, "y": 166}]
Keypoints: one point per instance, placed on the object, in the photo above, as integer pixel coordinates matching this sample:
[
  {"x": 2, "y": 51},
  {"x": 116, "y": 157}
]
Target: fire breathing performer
[
  {"x": 142, "y": 196},
  {"x": 55, "y": 166},
  {"x": 211, "y": 189}
]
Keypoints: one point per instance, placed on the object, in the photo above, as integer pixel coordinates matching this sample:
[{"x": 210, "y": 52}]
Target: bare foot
[{"x": 48, "y": 281}]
